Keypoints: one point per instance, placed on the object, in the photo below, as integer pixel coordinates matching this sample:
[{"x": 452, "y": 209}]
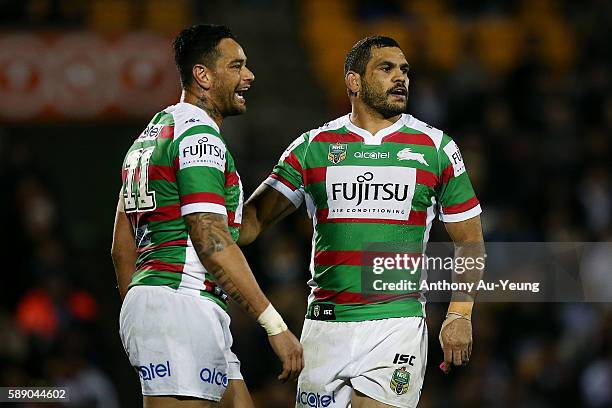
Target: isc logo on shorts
[
  {"x": 213, "y": 376},
  {"x": 153, "y": 371}
]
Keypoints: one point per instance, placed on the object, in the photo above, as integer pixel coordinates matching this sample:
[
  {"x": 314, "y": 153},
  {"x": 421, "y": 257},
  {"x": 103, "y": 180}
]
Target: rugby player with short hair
[
  {"x": 174, "y": 248},
  {"x": 376, "y": 175}
]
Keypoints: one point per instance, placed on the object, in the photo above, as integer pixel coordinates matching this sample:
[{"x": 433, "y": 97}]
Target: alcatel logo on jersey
[
  {"x": 371, "y": 155},
  {"x": 153, "y": 371},
  {"x": 408, "y": 154},
  {"x": 383, "y": 192},
  {"x": 202, "y": 150},
  {"x": 151, "y": 132},
  {"x": 213, "y": 376},
  {"x": 315, "y": 400}
]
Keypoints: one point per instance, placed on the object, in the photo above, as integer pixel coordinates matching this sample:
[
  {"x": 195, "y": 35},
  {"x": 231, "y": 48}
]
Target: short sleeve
[
  {"x": 200, "y": 161},
  {"x": 456, "y": 195},
  {"x": 288, "y": 175}
]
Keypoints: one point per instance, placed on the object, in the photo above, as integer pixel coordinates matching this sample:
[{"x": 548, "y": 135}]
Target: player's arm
[
  {"x": 123, "y": 249},
  {"x": 469, "y": 244},
  {"x": 460, "y": 211},
  {"x": 264, "y": 208},
  {"x": 278, "y": 196},
  {"x": 456, "y": 331},
  {"x": 224, "y": 260}
]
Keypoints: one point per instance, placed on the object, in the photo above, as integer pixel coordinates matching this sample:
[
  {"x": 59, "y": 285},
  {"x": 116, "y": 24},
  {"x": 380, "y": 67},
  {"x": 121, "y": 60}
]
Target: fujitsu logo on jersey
[
  {"x": 362, "y": 190},
  {"x": 203, "y": 148},
  {"x": 373, "y": 192}
]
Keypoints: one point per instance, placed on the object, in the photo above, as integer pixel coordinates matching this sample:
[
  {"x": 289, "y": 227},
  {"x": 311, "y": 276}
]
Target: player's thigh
[
  {"x": 176, "y": 402},
  {"x": 393, "y": 360},
  {"x": 360, "y": 400},
  {"x": 172, "y": 354},
  {"x": 236, "y": 396},
  {"x": 324, "y": 380}
]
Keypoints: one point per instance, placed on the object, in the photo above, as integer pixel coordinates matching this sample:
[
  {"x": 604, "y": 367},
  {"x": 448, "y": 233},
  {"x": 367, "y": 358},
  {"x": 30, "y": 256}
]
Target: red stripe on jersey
[
  {"x": 427, "y": 178},
  {"x": 202, "y": 198},
  {"x": 459, "y": 208},
  {"x": 167, "y": 132},
  {"x": 164, "y": 213},
  {"x": 283, "y": 180},
  {"x": 231, "y": 179},
  {"x": 345, "y": 297},
  {"x": 314, "y": 175},
  {"x": 161, "y": 173},
  {"x": 338, "y": 258},
  {"x": 356, "y": 258},
  {"x": 231, "y": 219},
  {"x": 292, "y": 160},
  {"x": 447, "y": 174},
  {"x": 155, "y": 264},
  {"x": 415, "y": 218},
  {"x": 176, "y": 242},
  {"x": 409, "y": 138},
  {"x": 337, "y": 137},
  {"x": 176, "y": 165}
]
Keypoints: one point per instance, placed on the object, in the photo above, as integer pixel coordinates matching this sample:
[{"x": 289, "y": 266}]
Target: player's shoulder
[
  {"x": 437, "y": 136},
  {"x": 332, "y": 126},
  {"x": 189, "y": 119}
]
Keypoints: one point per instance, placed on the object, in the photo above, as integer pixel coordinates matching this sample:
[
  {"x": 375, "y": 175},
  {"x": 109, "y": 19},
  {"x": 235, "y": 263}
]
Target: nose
[
  {"x": 249, "y": 75},
  {"x": 401, "y": 77}
]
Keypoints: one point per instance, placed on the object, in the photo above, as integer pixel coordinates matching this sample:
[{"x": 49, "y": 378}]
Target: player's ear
[
  {"x": 202, "y": 76},
  {"x": 353, "y": 83}
]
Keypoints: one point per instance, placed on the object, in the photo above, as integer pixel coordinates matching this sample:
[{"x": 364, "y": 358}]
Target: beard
[{"x": 379, "y": 101}]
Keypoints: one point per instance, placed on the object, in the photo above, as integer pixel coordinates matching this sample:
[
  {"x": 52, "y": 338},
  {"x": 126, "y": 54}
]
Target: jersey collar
[
  {"x": 201, "y": 113},
  {"x": 376, "y": 139}
]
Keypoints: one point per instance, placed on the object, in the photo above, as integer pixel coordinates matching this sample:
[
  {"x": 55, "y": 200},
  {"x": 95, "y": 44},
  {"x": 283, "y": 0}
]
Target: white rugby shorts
[
  {"x": 178, "y": 342},
  {"x": 383, "y": 359}
]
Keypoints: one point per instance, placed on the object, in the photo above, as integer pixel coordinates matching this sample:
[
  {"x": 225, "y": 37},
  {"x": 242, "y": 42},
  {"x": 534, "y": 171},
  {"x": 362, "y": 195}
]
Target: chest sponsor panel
[{"x": 369, "y": 192}]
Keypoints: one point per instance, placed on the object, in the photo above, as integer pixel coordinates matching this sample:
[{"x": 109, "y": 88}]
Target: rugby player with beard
[{"x": 376, "y": 175}]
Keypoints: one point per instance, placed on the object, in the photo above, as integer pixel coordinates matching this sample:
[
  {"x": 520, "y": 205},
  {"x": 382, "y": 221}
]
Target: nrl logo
[
  {"x": 408, "y": 154},
  {"x": 400, "y": 381},
  {"x": 316, "y": 310},
  {"x": 337, "y": 152}
]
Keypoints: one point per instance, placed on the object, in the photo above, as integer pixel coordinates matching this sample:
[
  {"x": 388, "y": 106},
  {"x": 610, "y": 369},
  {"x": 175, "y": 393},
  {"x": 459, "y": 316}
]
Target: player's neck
[
  {"x": 187, "y": 96},
  {"x": 368, "y": 119}
]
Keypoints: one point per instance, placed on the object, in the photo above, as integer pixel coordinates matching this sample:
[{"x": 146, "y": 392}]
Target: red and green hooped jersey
[
  {"x": 361, "y": 188},
  {"x": 179, "y": 165}
]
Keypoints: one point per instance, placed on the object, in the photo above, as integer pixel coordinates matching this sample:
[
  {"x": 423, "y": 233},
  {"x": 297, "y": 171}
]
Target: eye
[{"x": 385, "y": 68}]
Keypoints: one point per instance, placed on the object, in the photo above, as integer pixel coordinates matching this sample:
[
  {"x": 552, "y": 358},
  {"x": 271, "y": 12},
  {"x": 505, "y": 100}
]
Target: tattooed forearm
[
  {"x": 225, "y": 281},
  {"x": 208, "y": 233},
  {"x": 223, "y": 259}
]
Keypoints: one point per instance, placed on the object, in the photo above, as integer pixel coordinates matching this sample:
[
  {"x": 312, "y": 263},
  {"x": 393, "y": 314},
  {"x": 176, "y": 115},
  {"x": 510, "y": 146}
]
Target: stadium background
[{"x": 523, "y": 86}]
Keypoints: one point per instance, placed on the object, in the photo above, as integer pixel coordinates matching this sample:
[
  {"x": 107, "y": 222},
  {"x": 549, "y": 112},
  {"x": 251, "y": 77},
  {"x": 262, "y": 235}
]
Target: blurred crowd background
[{"x": 523, "y": 86}]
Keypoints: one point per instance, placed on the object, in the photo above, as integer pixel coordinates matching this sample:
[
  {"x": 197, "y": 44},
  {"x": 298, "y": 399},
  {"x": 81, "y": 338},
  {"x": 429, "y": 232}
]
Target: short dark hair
[
  {"x": 198, "y": 45},
  {"x": 359, "y": 55}
]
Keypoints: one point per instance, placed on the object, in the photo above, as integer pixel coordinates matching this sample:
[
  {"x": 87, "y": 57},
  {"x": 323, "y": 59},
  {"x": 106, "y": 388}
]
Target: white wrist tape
[{"x": 271, "y": 321}]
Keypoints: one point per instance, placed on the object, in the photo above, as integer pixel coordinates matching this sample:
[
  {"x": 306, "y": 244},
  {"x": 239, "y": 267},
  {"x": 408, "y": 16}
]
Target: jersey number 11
[{"x": 139, "y": 199}]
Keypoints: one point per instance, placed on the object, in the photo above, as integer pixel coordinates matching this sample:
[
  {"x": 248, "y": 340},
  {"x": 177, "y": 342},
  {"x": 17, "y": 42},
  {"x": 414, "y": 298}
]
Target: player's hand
[
  {"x": 456, "y": 341},
  {"x": 290, "y": 353}
]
